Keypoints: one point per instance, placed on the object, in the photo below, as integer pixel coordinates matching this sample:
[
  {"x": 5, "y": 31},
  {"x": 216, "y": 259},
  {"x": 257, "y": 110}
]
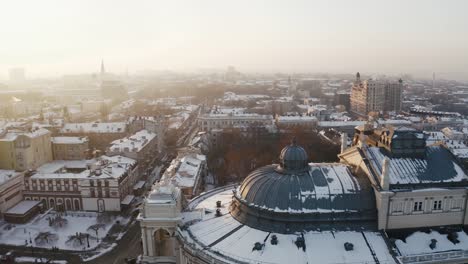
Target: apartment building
[
  {"x": 11, "y": 185},
  {"x": 69, "y": 148},
  {"x": 416, "y": 186},
  {"x": 375, "y": 96},
  {"x": 101, "y": 184},
  {"x": 25, "y": 149}
]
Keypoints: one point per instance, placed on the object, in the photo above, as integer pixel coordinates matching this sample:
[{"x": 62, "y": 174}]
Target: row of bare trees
[{"x": 237, "y": 152}]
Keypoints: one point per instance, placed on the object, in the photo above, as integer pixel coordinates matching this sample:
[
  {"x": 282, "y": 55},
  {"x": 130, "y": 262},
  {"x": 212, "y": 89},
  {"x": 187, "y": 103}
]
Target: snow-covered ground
[
  {"x": 101, "y": 252},
  {"x": 62, "y": 235}
]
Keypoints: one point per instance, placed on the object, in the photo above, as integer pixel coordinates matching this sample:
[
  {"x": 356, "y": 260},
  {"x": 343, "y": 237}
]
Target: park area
[{"x": 75, "y": 231}]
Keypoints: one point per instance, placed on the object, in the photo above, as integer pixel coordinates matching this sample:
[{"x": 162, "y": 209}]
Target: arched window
[
  {"x": 77, "y": 205},
  {"x": 68, "y": 204},
  {"x": 164, "y": 243},
  {"x": 51, "y": 203}
]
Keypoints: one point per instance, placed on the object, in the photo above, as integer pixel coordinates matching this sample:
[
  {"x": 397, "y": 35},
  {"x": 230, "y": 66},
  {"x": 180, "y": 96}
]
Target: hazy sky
[{"x": 56, "y": 37}]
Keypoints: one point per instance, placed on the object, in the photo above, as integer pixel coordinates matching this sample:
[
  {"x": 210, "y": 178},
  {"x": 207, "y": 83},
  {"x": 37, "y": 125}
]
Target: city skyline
[{"x": 419, "y": 37}]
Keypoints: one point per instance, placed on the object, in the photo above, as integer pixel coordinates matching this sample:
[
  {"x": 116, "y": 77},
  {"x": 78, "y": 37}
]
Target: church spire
[{"x": 103, "y": 70}]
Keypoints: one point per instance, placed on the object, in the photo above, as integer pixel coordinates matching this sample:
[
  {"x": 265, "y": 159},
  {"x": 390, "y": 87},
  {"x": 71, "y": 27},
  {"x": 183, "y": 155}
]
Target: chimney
[
  {"x": 344, "y": 142},
  {"x": 385, "y": 177}
]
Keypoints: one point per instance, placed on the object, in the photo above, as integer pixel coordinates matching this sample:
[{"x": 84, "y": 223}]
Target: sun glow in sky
[{"x": 51, "y": 38}]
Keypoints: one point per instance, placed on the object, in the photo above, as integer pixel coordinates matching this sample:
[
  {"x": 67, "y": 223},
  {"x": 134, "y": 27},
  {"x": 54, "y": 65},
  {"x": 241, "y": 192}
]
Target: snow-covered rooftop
[
  {"x": 13, "y": 134},
  {"x": 230, "y": 96},
  {"x": 296, "y": 118},
  {"x": 418, "y": 244},
  {"x": 22, "y": 207},
  {"x": 437, "y": 166},
  {"x": 6, "y": 175},
  {"x": 340, "y": 123},
  {"x": 185, "y": 171},
  {"x": 69, "y": 140},
  {"x": 226, "y": 239},
  {"x": 133, "y": 143},
  {"x": 456, "y": 146},
  {"x": 116, "y": 127},
  {"x": 103, "y": 167}
]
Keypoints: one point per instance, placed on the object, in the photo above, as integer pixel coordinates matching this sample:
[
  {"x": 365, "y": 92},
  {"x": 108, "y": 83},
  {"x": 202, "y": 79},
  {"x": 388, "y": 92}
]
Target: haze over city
[
  {"x": 51, "y": 38},
  {"x": 221, "y": 132}
]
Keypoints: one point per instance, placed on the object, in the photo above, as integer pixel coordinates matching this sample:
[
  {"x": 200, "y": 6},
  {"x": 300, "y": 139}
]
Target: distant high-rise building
[
  {"x": 393, "y": 94},
  {"x": 375, "y": 96},
  {"x": 17, "y": 75},
  {"x": 366, "y": 96}
]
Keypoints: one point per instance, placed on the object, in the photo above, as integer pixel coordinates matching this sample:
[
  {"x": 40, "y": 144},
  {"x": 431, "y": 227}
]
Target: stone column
[
  {"x": 143, "y": 239},
  {"x": 150, "y": 242}
]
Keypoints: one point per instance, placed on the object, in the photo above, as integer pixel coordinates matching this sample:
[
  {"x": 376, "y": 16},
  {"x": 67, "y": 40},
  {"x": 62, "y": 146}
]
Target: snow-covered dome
[
  {"x": 295, "y": 195},
  {"x": 293, "y": 158}
]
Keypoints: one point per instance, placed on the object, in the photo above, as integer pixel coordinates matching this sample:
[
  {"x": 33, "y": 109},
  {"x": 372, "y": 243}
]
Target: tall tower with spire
[{"x": 103, "y": 70}]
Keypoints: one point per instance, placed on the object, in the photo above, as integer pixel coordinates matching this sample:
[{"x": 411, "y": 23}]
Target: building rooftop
[
  {"x": 69, "y": 140},
  {"x": 22, "y": 207},
  {"x": 227, "y": 239},
  {"x": 133, "y": 143},
  {"x": 438, "y": 166},
  {"x": 104, "y": 167},
  {"x": 184, "y": 171},
  {"x": 6, "y": 175},
  {"x": 418, "y": 244},
  {"x": 116, "y": 127},
  {"x": 11, "y": 135},
  {"x": 304, "y": 193}
]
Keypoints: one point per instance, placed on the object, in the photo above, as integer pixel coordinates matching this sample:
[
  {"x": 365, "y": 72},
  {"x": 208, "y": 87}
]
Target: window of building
[
  {"x": 417, "y": 206},
  {"x": 398, "y": 207},
  {"x": 437, "y": 205},
  {"x": 456, "y": 204}
]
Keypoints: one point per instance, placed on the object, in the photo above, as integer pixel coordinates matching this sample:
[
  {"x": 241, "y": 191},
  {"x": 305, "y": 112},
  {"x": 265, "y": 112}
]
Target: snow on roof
[
  {"x": 340, "y": 123},
  {"x": 6, "y": 175},
  {"x": 297, "y": 118},
  {"x": 231, "y": 96},
  {"x": 128, "y": 199},
  {"x": 224, "y": 237},
  {"x": 116, "y": 127},
  {"x": 133, "y": 143},
  {"x": 13, "y": 134},
  {"x": 69, "y": 140},
  {"x": 104, "y": 167},
  {"x": 22, "y": 207},
  {"x": 394, "y": 122},
  {"x": 438, "y": 166},
  {"x": 56, "y": 165},
  {"x": 162, "y": 193},
  {"x": 185, "y": 171},
  {"x": 456, "y": 146},
  {"x": 225, "y": 112},
  {"x": 418, "y": 243},
  {"x": 139, "y": 185}
]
